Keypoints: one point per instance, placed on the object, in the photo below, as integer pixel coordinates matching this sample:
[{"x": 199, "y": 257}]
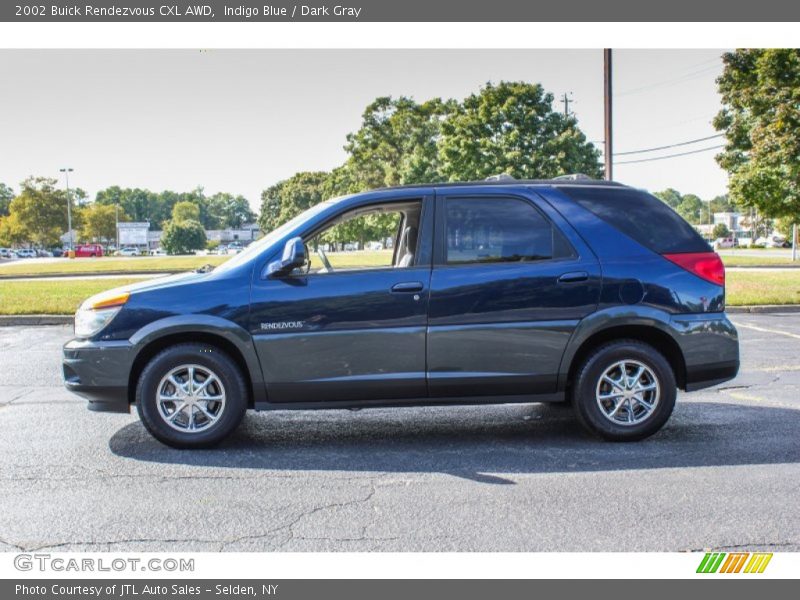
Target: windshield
[{"x": 273, "y": 236}]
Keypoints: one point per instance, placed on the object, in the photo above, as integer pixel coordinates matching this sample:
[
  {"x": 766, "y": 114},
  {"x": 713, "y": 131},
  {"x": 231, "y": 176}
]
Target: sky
[{"x": 241, "y": 120}]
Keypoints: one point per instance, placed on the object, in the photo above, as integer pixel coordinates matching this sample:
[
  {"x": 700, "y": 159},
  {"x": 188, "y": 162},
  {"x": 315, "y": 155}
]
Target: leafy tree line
[
  {"x": 694, "y": 209},
  {"x": 38, "y": 214},
  {"x": 218, "y": 211},
  {"x": 509, "y": 127}
]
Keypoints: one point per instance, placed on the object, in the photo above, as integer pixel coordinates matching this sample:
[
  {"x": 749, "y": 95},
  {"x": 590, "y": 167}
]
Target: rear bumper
[
  {"x": 98, "y": 372},
  {"x": 710, "y": 347}
]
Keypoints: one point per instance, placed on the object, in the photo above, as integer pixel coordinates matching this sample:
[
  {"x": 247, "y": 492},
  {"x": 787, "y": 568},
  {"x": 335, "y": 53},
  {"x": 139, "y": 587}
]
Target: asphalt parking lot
[{"x": 723, "y": 474}]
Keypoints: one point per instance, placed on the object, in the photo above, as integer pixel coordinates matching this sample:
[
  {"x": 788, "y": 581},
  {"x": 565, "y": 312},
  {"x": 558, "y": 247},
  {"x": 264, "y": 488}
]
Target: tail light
[{"x": 706, "y": 265}]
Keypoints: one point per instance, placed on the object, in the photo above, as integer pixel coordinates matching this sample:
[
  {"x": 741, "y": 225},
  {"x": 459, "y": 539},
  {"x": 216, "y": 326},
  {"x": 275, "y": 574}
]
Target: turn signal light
[{"x": 110, "y": 301}]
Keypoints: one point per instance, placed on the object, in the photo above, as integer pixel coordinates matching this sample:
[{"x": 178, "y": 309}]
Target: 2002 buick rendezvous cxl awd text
[{"x": 493, "y": 292}]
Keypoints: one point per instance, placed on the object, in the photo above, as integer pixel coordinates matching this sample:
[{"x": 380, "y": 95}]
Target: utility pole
[
  {"x": 565, "y": 100},
  {"x": 116, "y": 218},
  {"x": 66, "y": 171},
  {"x": 608, "y": 146},
  {"x": 794, "y": 242}
]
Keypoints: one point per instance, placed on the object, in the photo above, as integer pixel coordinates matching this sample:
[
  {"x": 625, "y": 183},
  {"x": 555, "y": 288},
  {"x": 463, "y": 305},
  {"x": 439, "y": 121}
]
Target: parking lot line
[{"x": 765, "y": 330}]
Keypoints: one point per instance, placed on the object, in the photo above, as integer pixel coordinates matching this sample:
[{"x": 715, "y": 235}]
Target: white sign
[{"x": 133, "y": 234}]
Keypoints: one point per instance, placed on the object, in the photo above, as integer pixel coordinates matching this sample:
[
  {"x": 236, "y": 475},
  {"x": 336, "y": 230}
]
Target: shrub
[{"x": 183, "y": 237}]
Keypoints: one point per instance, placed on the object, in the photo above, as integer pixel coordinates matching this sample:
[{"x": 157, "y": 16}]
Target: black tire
[
  {"x": 585, "y": 389},
  {"x": 207, "y": 357}
]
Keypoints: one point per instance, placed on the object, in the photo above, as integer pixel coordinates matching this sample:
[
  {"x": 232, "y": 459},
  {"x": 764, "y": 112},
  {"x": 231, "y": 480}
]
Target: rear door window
[{"x": 496, "y": 230}]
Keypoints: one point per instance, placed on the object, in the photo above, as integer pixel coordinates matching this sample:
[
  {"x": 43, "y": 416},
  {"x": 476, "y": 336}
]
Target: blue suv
[{"x": 586, "y": 292}]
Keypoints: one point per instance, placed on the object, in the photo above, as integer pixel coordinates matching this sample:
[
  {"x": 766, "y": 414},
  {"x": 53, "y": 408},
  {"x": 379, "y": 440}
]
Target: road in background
[{"x": 723, "y": 474}]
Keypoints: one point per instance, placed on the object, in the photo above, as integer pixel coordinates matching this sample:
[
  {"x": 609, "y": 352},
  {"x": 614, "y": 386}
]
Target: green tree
[
  {"x": 11, "y": 233},
  {"x": 693, "y": 209},
  {"x": 6, "y": 196},
  {"x": 140, "y": 205},
  {"x": 397, "y": 143},
  {"x": 720, "y": 231},
  {"x": 269, "y": 216},
  {"x": 761, "y": 120},
  {"x": 287, "y": 199},
  {"x": 226, "y": 210},
  {"x": 722, "y": 204},
  {"x": 100, "y": 222},
  {"x": 40, "y": 211},
  {"x": 301, "y": 191},
  {"x": 512, "y": 128},
  {"x": 182, "y": 237},
  {"x": 185, "y": 210},
  {"x": 671, "y": 197}
]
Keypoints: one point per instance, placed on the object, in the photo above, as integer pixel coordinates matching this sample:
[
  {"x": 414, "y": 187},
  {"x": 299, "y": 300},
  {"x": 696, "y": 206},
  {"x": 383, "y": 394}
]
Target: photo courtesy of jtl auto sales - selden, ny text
[{"x": 407, "y": 300}]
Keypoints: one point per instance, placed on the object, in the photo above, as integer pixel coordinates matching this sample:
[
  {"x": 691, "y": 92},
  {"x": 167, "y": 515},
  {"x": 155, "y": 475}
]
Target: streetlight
[{"x": 66, "y": 171}]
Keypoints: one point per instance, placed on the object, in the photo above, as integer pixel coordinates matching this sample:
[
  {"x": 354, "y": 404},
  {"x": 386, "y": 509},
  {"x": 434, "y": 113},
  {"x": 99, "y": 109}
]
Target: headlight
[{"x": 97, "y": 312}]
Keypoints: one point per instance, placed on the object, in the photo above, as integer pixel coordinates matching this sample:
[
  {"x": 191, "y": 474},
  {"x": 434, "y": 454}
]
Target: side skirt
[{"x": 453, "y": 401}]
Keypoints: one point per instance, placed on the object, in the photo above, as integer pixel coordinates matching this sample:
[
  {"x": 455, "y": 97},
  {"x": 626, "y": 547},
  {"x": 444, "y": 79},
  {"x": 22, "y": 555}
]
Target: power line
[
  {"x": 641, "y": 160},
  {"x": 672, "y": 81},
  {"x": 703, "y": 139}
]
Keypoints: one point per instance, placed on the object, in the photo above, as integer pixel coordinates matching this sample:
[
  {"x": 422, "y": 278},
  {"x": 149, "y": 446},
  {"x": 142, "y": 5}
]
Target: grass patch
[
  {"x": 51, "y": 297},
  {"x": 763, "y": 287},
  {"x": 359, "y": 258},
  {"x": 173, "y": 264},
  {"x": 745, "y": 260},
  {"x": 96, "y": 266}
]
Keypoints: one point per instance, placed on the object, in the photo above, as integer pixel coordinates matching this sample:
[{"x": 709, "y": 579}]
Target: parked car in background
[
  {"x": 129, "y": 251},
  {"x": 41, "y": 252},
  {"x": 56, "y": 252},
  {"x": 727, "y": 242},
  {"x": 88, "y": 250},
  {"x": 5, "y": 253},
  {"x": 234, "y": 248},
  {"x": 25, "y": 253},
  {"x": 773, "y": 241}
]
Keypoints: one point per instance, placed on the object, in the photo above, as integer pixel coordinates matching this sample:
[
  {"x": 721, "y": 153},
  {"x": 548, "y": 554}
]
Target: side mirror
[{"x": 294, "y": 256}]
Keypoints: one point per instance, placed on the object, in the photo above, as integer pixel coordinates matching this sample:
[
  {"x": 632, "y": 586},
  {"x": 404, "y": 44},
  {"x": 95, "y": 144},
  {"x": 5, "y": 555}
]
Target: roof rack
[
  {"x": 562, "y": 181},
  {"x": 574, "y": 177}
]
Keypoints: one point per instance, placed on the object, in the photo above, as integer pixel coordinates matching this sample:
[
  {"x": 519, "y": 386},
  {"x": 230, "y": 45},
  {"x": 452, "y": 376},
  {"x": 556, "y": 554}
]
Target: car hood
[{"x": 147, "y": 285}]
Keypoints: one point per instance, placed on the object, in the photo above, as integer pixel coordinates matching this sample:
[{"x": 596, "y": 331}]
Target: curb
[
  {"x": 34, "y": 320},
  {"x": 778, "y": 266},
  {"x": 88, "y": 275},
  {"x": 764, "y": 308}
]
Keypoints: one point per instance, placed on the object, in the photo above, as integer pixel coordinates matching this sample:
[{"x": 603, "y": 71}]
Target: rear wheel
[
  {"x": 624, "y": 391},
  {"x": 191, "y": 396}
]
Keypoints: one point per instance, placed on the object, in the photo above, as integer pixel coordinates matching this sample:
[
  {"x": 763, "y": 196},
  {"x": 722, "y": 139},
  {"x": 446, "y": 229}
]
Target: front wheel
[
  {"x": 624, "y": 391},
  {"x": 191, "y": 396}
]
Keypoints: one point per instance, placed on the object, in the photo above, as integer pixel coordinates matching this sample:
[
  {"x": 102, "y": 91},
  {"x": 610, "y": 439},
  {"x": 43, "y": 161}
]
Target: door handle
[
  {"x": 573, "y": 277},
  {"x": 407, "y": 287}
]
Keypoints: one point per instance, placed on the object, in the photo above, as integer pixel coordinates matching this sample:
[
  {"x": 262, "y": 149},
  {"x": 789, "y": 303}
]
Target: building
[
  {"x": 731, "y": 220},
  {"x": 246, "y": 234}
]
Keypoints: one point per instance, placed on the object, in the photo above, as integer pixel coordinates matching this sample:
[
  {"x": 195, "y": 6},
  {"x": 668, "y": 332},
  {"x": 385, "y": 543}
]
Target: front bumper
[
  {"x": 710, "y": 347},
  {"x": 99, "y": 371}
]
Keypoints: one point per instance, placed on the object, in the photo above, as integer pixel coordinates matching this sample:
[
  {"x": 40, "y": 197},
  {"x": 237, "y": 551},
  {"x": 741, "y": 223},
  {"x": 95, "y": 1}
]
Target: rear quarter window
[{"x": 642, "y": 217}]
